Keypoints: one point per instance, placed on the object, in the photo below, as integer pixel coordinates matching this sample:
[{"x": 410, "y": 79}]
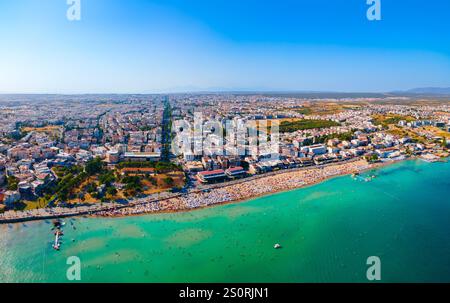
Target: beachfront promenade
[{"x": 201, "y": 196}]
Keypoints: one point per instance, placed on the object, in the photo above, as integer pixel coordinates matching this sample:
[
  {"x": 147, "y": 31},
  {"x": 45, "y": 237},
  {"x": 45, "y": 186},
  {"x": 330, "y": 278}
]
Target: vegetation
[
  {"x": 61, "y": 171},
  {"x": 133, "y": 185},
  {"x": 372, "y": 158},
  {"x": 386, "y": 120},
  {"x": 107, "y": 178},
  {"x": 169, "y": 181},
  {"x": 304, "y": 111},
  {"x": 152, "y": 180},
  {"x": 17, "y": 135},
  {"x": 343, "y": 137},
  {"x": 94, "y": 166},
  {"x": 292, "y": 126},
  {"x": 12, "y": 183}
]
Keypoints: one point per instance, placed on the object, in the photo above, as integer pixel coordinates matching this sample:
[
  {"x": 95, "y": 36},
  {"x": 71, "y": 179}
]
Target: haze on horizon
[{"x": 160, "y": 46}]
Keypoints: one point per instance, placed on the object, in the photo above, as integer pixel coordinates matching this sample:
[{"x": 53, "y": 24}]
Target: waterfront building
[
  {"x": 211, "y": 176},
  {"x": 235, "y": 172}
]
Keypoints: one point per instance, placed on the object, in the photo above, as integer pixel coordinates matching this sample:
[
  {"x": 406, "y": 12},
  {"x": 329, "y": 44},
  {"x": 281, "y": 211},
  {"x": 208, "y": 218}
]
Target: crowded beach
[
  {"x": 239, "y": 190},
  {"x": 243, "y": 190}
]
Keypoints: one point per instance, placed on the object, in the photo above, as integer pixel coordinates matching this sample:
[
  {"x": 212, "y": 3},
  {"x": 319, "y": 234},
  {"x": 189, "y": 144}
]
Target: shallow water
[{"x": 327, "y": 232}]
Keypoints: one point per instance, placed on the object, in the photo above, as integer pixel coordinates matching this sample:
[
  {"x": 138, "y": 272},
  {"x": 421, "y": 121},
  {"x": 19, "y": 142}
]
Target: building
[
  {"x": 112, "y": 156},
  {"x": 236, "y": 172},
  {"x": 211, "y": 176},
  {"x": 306, "y": 161},
  {"x": 194, "y": 166},
  {"x": 386, "y": 152},
  {"x": 318, "y": 149},
  {"x": 141, "y": 157}
]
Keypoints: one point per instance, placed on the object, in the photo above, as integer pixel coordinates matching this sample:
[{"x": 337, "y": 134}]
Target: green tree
[
  {"x": 111, "y": 191},
  {"x": 169, "y": 181},
  {"x": 94, "y": 166},
  {"x": 12, "y": 183}
]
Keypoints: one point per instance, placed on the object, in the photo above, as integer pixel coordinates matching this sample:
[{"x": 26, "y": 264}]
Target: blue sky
[{"x": 137, "y": 46}]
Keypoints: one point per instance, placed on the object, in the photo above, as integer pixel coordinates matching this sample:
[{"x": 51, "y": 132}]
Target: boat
[
  {"x": 277, "y": 246},
  {"x": 57, "y": 243}
]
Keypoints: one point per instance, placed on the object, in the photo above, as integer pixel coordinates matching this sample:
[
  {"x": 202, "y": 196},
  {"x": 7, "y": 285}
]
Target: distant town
[{"x": 113, "y": 154}]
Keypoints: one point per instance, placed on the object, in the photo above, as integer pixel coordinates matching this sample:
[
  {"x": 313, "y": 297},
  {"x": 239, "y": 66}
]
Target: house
[{"x": 386, "y": 152}]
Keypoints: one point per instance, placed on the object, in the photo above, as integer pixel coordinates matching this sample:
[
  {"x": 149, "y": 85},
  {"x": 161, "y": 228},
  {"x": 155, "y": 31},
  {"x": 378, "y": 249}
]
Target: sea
[{"x": 399, "y": 214}]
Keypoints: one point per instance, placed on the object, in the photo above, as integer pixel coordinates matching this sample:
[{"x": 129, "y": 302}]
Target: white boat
[
  {"x": 277, "y": 246},
  {"x": 57, "y": 244}
]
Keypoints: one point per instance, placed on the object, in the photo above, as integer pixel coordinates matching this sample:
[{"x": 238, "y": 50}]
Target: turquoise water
[{"x": 327, "y": 232}]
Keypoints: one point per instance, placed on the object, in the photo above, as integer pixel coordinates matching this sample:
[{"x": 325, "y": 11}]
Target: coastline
[
  {"x": 221, "y": 194},
  {"x": 358, "y": 166},
  {"x": 379, "y": 165}
]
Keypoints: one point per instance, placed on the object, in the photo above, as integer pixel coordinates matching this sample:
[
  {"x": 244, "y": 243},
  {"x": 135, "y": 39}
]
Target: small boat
[
  {"x": 57, "y": 243},
  {"x": 277, "y": 246}
]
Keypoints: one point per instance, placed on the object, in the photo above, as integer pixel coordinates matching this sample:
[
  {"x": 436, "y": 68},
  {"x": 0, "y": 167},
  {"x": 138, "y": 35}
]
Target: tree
[
  {"x": 169, "y": 181},
  {"x": 111, "y": 191},
  {"x": 152, "y": 180},
  {"x": 107, "y": 178},
  {"x": 445, "y": 142},
  {"x": 12, "y": 183},
  {"x": 94, "y": 166}
]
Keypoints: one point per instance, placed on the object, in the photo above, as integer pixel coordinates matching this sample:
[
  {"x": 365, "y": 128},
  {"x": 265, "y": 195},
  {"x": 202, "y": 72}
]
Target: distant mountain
[{"x": 430, "y": 90}]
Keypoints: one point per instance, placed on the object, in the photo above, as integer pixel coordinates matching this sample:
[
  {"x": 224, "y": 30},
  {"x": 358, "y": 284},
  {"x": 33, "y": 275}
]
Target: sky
[{"x": 157, "y": 46}]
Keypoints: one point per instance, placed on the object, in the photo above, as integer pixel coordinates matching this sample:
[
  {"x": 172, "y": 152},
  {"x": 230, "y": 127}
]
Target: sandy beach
[
  {"x": 245, "y": 190},
  {"x": 230, "y": 192}
]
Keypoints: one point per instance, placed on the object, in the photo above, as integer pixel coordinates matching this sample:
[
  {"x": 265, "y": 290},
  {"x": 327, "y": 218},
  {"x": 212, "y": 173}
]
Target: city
[
  {"x": 113, "y": 155},
  {"x": 224, "y": 150}
]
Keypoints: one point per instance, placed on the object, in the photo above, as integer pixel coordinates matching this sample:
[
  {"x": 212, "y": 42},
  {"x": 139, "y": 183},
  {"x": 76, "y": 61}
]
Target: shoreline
[
  {"x": 367, "y": 167},
  {"x": 225, "y": 193},
  {"x": 241, "y": 200}
]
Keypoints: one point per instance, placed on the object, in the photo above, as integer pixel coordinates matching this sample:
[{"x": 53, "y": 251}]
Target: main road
[{"x": 166, "y": 131}]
